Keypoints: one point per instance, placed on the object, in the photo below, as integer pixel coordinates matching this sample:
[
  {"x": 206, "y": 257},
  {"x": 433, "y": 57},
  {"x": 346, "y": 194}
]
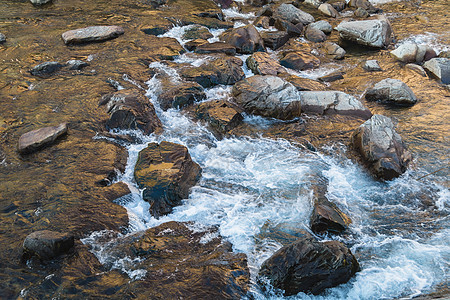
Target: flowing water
[{"x": 252, "y": 187}]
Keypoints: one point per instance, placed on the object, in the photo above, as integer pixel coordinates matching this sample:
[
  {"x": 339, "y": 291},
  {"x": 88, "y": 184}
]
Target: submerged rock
[
  {"x": 181, "y": 95},
  {"x": 47, "y": 244},
  {"x": 91, "y": 34},
  {"x": 304, "y": 84},
  {"x": 372, "y": 33},
  {"x": 391, "y": 91},
  {"x": 46, "y": 68},
  {"x": 309, "y": 266},
  {"x": 197, "y": 32},
  {"x": 262, "y": 64},
  {"x": 246, "y": 39},
  {"x": 36, "y": 139},
  {"x": 194, "y": 44},
  {"x": 439, "y": 68},
  {"x": 222, "y": 115},
  {"x": 268, "y": 96},
  {"x": 381, "y": 147},
  {"x": 166, "y": 172},
  {"x": 292, "y": 14},
  {"x": 216, "y": 47},
  {"x": 299, "y": 60}
]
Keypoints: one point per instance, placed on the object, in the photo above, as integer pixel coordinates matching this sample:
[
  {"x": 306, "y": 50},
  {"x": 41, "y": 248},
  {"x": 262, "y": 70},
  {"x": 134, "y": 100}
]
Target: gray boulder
[
  {"x": 2, "y": 38},
  {"x": 36, "y": 139},
  {"x": 46, "y": 68},
  {"x": 332, "y": 102},
  {"x": 371, "y": 65},
  {"x": 91, "y": 34},
  {"x": 392, "y": 91},
  {"x": 410, "y": 52},
  {"x": 268, "y": 96},
  {"x": 292, "y": 14},
  {"x": 47, "y": 244},
  {"x": 246, "y": 39},
  {"x": 322, "y": 25},
  {"x": 372, "y": 33},
  {"x": 381, "y": 147},
  {"x": 439, "y": 68}
]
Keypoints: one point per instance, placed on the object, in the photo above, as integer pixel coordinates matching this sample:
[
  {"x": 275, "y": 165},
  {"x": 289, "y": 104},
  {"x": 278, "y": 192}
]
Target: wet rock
[
  {"x": 155, "y": 3},
  {"x": 416, "y": 68},
  {"x": 223, "y": 70},
  {"x": 309, "y": 266},
  {"x": 327, "y": 217},
  {"x": 361, "y": 13},
  {"x": 410, "y": 52},
  {"x": 39, "y": 138},
  {"x": 157, "y": 29},
  {"x": 439, "y": 68},
  {"x": 2, "y": 38},
  {"x": 333, "y": 50},
  {"x": 332, "y": 77},
  {"x": 299, "y": 61},
  {"x": 216, "y": 47},
  {"x": 274, "y": 39},
  {"x": 266, "y": 10},
  {"x": 364, "y": 4},
  {"x": 40, "y": 2},
  {"x": 222, "y": 115},
  {"x": 372, "y": 33},
  {"x": 315, "y": 35},
  {"x": 46, "y": 68},
  {"x": 91, "y": 34},
  {"x": 371, "y": 65},
  {"x": 392, "y": 91},
  {"x": 267, "y": 96},
  {"x": 130, "y": 109},
  {"x": 332, "y": 102},
  {"x": 328, "y": 10},
  {"x": 212, "y": 13},
  {"x": 291, "y": 29},
  {"x": 381, "y": 147},
  {"x": 76, "y": 64},
  {"x": 197, "y": 32},
  {"x": 339, "y": 5},
  {"x": 181, "y": 95},
  {"x": 262, "y": 22},
  {"x": 290, "y": 13},
  {"x": 262, "y": 64},
  {"x": 192, "y": 45},
  {"x": 246, "y": 39},
  {"x": 47, "y": 244},
  {"x": 224, "y": 3},
  {"x": 166, "y": 172},
  {"x": 322, "y": 26},
  {"x": 304, "y": 84},
  {"x": 258, "y": 3},
  {"x": 165, "y": 49}
]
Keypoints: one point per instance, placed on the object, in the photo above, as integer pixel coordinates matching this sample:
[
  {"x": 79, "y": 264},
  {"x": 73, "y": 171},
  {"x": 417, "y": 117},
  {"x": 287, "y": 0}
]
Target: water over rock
[
  {"x": 216, "y": 47},
  {"x": 304, "y": 84},
  {"x": 262, "y": 64},
  {"x": 381, "y": 147},
  {"x": 439, "y": 68},
  {"x": 267, "y": 96},
  {"x": 91, "y": 34},
  {"x": 46, "y": 68},
  {"x": 246, "y": 39},
  {"x": 309, "y": 266},
  {"x": 221, "y": 115},
  {"x": 274, "y": 39},
  {"x": 193, "y": 44},
  {"x": 47, "y": 244},
  {"x": 292, "y": 14},
  {"x": 299, "y": 60},
  {"x": 166, "y": 172},
  {"x": 39, "y": 138},
  {"x": 391, "y": 91},
  {"x": 372, "y": 33}
]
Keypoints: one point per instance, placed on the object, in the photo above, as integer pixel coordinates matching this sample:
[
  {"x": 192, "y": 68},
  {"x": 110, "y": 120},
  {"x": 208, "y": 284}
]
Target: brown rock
[
  {"x": 181, "y": 95},
  {"x": 91, "y": 34},
  {"x": 192, "y": 45},
  {"x": 262, "y": 64},
  {"x": 327, "y": 217},
  {"x": 315, "y": 35},
  {"x": 299, "y": 60},
  {"x": 246, "y": 39},
  {"x": 47, "y": 244},
  {"x": 291, "y": 29},
  {"x": 197, "y": 32},
  {"x": 222, "y": 115},
  {"x": 216, "y": 47},
  {"x": 304, "y": 84},
  {"x": 262, "y": 21},
  {"x": 36, "y": 139},
  {"x": 274, "y": 39}
]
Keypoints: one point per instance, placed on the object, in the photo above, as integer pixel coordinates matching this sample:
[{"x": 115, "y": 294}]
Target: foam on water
[{"x": 233, "y": 12}]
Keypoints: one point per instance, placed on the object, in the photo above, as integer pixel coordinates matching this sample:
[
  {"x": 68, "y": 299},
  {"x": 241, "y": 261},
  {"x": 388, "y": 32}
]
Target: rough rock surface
[
  {"x": 361, "y": 13},
  {"x": 439, "y": 68},
  {"x": 166, "y": 172},
  {"x": 274, "y": 39},
  {"x": 328, "y": 10},
  {"x": 372, "y": 33},
  {"x": 216, "y": 47},
  {"x": 391, "y": 91},
  {"x": 291, "y": 29},
  {"x": 322, "y": 26},
  {"x": 299, "y": 60},
  {"x": 181, "y": 95},
  {"x": 268, "y": 96},
  {"x": 222, "y": 115},
  {"x": 46, "y": 68},
  {"x": 381, "y": 147},
  {"x": 334, "y": 50},
  {"x": 262, "y": 22},
  {"x": 327, "y": 217},
  {"x": 364, "y": 4},
  {"x": 47, "y": 244},
  {"x": 309, "y": 266},
  {"x": 410, "y": 52},
  {"x": 315, "y": 35},
  {"x": 262, "y": 64},
  {"x": 332, "y": 102},
  {"x": 371, "y": 65},
  {"x": 36, "y": 139},
  {"x": 246, "y": 39},
  {"x": 91, "y": 34},
  {"x": 193, "y": 44},
  {"x": 292, "y": 14}
]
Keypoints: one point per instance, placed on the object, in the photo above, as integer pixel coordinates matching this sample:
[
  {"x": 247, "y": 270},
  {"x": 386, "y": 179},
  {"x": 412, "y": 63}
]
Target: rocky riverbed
[{"x": 209, "y": 150}]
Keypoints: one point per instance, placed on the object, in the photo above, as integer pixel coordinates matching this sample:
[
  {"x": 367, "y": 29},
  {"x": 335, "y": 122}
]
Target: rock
[
  {"x": 372, "y": 33},
  {"x": 224, "y": 3},
  {"x": 371, "y": 65},
  {"x": 266, "y": 11},
  {"x": 290, "y": 13},
  {"x": 444, "y": 54},
  {"x": 392, "y": 91},
  {"x": 334, "y": 50},
  {"x": 328, "y": 10},
  {"x": 267, "y": 96},
  {"x": 166, "y": 172},
  {"x": 291, "y": 29},
  {"x": 181, "y": 95},
  {"x": 197, "y": 32},
  {"x": 40, "y": 2},
  {"x": 313, "y": 3},
  {"x": 381, "y": 148},
  {"x": 309, "y": 266},
  {"x": 439, "y": 68},
  {"x": 91, "y": 34},
  {"x": 216, "y": 47},
  {"x": 258, "y": 3},
  {"x": 416, "y": 68},
  {"x": 158, "y": 29},
  {"x": 2, "y": 38},
  {"x": 332, "y": 77},
  {"x": 192, "y": 45},
  {"x": 410, "y": 52},
  {"x": 315, "y": 35},
  {"x": 76, "y": 64},
  {"x": 304, "y": 84},
  {"x": 47, "y": 244},
  {"x": 332, "y": 102},
  {"x": 223, "y": 70},
  {"x": 156, "y": 3},
  {"x": 262, "y": 64},
  {"x": 274, "y": 39},
  {"x": 322, "y": 26},
  {"x": 299, "y": 61},
  {"x": 36, "y": 139},
  {"x": 339, "y": 5},
  {"x": 262, "y": 22},
  {"x": 327, "y": 217},
  {"x": 130, "y": 109},
  {"x": 46, "y": 68},
  {"x": 246, "y": 39},
  {"x": 212, "y": 13},
  {"x": 222, "y": 115},
  {"x": 361, "y": 13},
  {"x": 364, "y": 4}
]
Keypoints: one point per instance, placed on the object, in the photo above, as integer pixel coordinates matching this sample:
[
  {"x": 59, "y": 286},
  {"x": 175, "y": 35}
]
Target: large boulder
[
  {"x": 372, "y": 33},
  {"x": 332, "y": 102},
  {"x": 268, "y": 96},
  {"x": 439, "y": 68},
  {"x": 299, "y": 60},
  {"x": 410, "y": 52},
  {"x": 39, "y": 138},
  {"x": 262, "y": 64},
  {"x": 166, "y": 172},
  {"x": 181, "y": 95},
  {"x": 221, "y": 115},
  {"x": 392, "y": 91},
  {"x": 290, "y": 13},
  {"x": 130, "y": 109},
  {"x": 381, "y": 147},
  {"x": 47, "y": 244},
  {"x": 309, "y": 266},
  {"x": 246, "y": 39},
  {"x": 91, "y": 34}
]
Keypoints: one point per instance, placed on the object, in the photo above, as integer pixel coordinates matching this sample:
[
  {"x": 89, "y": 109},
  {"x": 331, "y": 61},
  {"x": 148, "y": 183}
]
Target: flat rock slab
[
  {"x": 47, "y": 244},
  {"x": 91, "y": 34},
  {"x": 371, "y": 33},
  {"x": 33, "y": 140}
]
